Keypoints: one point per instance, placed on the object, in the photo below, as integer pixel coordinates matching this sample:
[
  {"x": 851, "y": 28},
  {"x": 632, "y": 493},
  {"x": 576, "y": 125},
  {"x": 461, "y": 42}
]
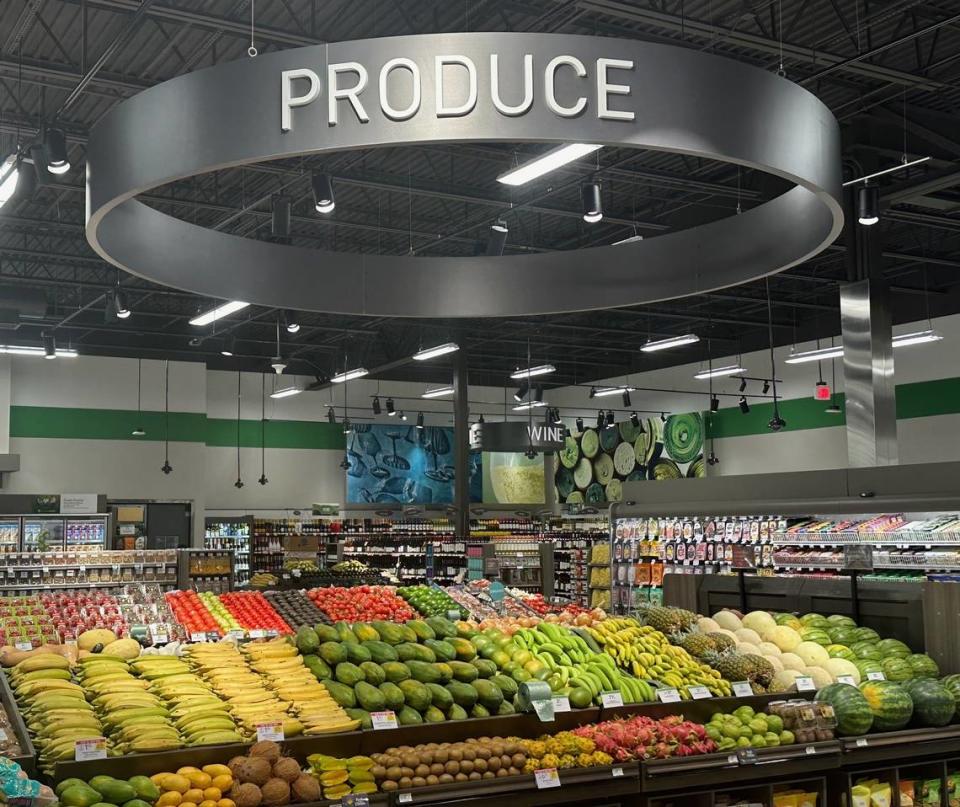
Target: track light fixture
[
  {"x": 522, "y": 391},
  {"x": 713, "y": 459},
  {"x": 610, "y": 418},
  {"x": 634, "y": 420},
  {"x": 776, "y": 422},
  {"x": 55, "y": 148},
  {"x": 498, "y": 238},
  {"x": 557, "y": 420},
  {"x": 743, "y": 385},
  {"x": 833, "y": 409},
  {"x": 480, "y": 419},
  {"x": 331, "y": 415},
  {"x": 766, "y": 386},
  {"x": 139, "y": 431},
  {"x": 868, "y": 205},
  {"x": 345, "y": 462},
  {"x": 280, "y": 217},
  {"x": 292, "y": 320},
  {"x": 391, "y": 412},
  {"x": 347, "y": 425},
  {"x": 323, "y": 201},
  {"x": 49, "y": 346},
  {"x": 714, "y": 403},
  {"x": 592, "y": 204},
  {"x": 530, "y": 454},
  {"x": 263, "y": 479},
  {"x": 744, "y": 406},
  {"x": 229, "y": 345},
  {"x": 420, "y": 420},
  {"x": 579, "y": 423},
  {"x": 403, "y": 415},
  {"x": 626, "y": 399},
  {"x": 593, "y": 392},
  {"x": 601, "y": 418},
  {"x": 376, "y": 404},
  {"x": 663, "y": 418},
  {"x": 120, "y": 306}
]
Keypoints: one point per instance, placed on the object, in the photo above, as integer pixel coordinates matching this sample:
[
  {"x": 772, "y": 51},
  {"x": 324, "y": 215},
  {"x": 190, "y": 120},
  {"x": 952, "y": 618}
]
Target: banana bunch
[
  {"x": 198, "y": 715},
  {"x": 648, "y": 654},
  {"x": 53, "y": 706},
  {"x": 283, "y": 672}
]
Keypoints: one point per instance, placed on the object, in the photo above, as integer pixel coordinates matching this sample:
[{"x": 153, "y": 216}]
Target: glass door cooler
[
  {"x": 41, "y": 534},
  {"x": 9, "y": 535}
]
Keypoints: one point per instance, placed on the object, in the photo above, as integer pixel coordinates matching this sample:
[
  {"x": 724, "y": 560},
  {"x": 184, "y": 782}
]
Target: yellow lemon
[
  {"x": 169, "y": 799},
  {"x": 223, "y": 782},
  {"x": 194, "y": 794},
  {"x": 212, "y": 794}
]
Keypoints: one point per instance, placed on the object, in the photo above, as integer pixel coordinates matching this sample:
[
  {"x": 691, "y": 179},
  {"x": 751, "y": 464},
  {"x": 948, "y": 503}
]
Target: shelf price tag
[
  {"x": 256, "y": 633},
  {"x": 747, "y": 756},
  {"x": 404, "y": 798},
  {"x": 742, "y": 689},
  {"x": 810, "y": 750},
  {"x": 24, "y": 645},
  {"x": 561, "y": 704},
  {"x": 236, "y": 633},
  {"x": 547, "y": 778},
  {"x": 158, "y": 633},
  {"x": 805, "y": 684},
  {"x": 270, "y": 731},
  {"x": 354, "y": 800},
  {"x": 699, "y": 693},
  {"x": 273, "y": 634},
  {"x": 616, "y": 772},
  {"x": 90, "y": 748},
  {"x": 453, "y": 615},
  {"x": 383, "y": 720},
  {"x": 846, "y": 679},
  {"x": 876, "y": 676},
  {"x": 668, "y": 695},
  {"x": 198, "y": 636},
  {"x": 609, "y": 700},
  {"x": 862, "y": 742}
]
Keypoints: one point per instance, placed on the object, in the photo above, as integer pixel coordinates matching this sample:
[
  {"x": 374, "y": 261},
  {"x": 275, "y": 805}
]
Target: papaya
[
  {"x": 326, "y": 633},
  {"x": 362, "y": 715},
  {"x": 306, "y": 640},
  {"x": 423, "y": 672},
  {"x": 445, "y": 671},
  {"x": 116, "y": 791},
  {"x": 409, "y": 651},
  {"x": 479, "y": 710},
  {"x": 457, "y": 712},
  {"x": 485, "y": 667},
  {"x": 392, "y": 695},
  {"x": 408, "y": 633},
  {"x": 341, "y": 694},
  {"x": 440, "y": 696},
  {"x": 463, "y": 694},
  {"x": 506, "y": 684},
  {"x": 396, "y": 671},
  {"x": 369, "y": 697},
  {"x": 422, "y": 629},
  {"x": 356, "y": 653},
  {"x": 373, "y": 672},
  {"x": 465, "y": 650},
  {"x": 380, "y": 652},
  {"x": 444, "y": 651},
  {"x": 332, "y": 653},
  {"x": 506, "y": 708},
  {"x": 318, "y": 667},
  {"x": 434, "y": 715},
  {"x": 462, "y": 671},
  {"x": 365, "y": 632},
  {"x": 349, "y": 674},
  {"x": 79, "y": 796},
  {"x": 389, "y": 632},
  {"x": 344, "y": 632},
  {"x": 488, "y": 694},
  {"x": 408, "y": 716},
  {"x": 442, "y": 627},
  {"x": 415, "y": 694}
]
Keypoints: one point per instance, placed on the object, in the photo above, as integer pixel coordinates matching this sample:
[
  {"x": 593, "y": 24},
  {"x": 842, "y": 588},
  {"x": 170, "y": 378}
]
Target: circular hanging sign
[{"x": 462, "y": 88}]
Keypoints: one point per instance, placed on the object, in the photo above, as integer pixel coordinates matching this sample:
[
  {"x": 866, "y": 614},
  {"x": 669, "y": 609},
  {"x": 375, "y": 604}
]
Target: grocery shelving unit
[
  {"x": 414, "y": 550},
  {"x": 233, "y": 533},
  {"x": 26, "y": 572},
  {"x": 206, "y": 569}
]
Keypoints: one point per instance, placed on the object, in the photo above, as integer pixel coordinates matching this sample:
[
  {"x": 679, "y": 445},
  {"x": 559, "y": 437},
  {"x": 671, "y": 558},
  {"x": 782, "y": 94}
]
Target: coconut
[
  {"x": 276, "y": 793},
  {"x": 707, "y": 625},
  {"x": 247, "y": 795},
  {"x": 768, "y": 649},
  {"x": 305, "y": 788},
  {"x": 286, "y": 769},
  {"x": 727, "y": 620},
  {"x": 232, "y": 764},
  {"x": 758, "y": 621},
  {"x": 253, "y": 769},
  {"x": 267, "y": 749}
]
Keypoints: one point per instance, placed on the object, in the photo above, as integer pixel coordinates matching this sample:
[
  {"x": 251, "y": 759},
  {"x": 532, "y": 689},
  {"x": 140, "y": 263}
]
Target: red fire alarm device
[{"x": 822, "y": 391}]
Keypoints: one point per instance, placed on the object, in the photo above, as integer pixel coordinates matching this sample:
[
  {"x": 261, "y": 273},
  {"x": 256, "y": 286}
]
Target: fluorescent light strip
[
  {"x": 439, "y": 350},
  {"x": 438, "y": 392},
  {"x": 542, "y": 369},
  {"x": 672, "y": 341},
  {"x": 731, "y": 369},
  {"x": 26, "y": 350},
  {"x": 286, "y": 392},
  {"x": 916, "y": 338},
  {"x": 821, "y": 354},
  {"x": 544, "y": 164},
  {"x": 529, "y": 405},
  {"x": 603, "y": 392},
  {"x": 629, "y": 240},
  {"x": 218, "y": 313},
  {"x": 9, "y": 176},
  {"x": 349, "y": 375}
]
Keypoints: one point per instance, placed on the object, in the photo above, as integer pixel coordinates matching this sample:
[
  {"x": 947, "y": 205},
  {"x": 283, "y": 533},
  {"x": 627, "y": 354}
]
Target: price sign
[
  {"x": 404, "y": 798},
  {"x": 561, "y": 704},
  {"x": 354, "y": 800},
  {"x": 383, "y": 720},
  {"x": 609, "y": 700},
  {"x": 700, "y": 693},
  {"x": 862, "y": 742},
  {"x": 805, "y": 684},
  {"x": 742, "y": 689},
  {"x": 24, "y": 646},
  {"x": 547, "y": 778},
  {"x": 256, "y": 633},
  {"x": 273, "y": 634},
  {"x": 198, "y": 636},
  {"x": 668, "y": 695},
  {"x": 616, "y": 772},
  {"x": 453, "y": 615},
  {"x": 236, "y": 633},
  {"x": 747, "y": 756},
  {"x": 270, "y": 731},
  {"x": 810, "y": 750},
  {"x": 876, "y": 676},
  {"x": 158, "y": 632},
  {"x": 733, "y": 759},
  {"x": 846, "y": 679},
  {"x": 90, "y": 748}
]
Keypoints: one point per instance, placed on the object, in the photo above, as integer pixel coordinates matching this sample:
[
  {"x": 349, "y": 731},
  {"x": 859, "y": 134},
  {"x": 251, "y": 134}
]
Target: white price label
[
  {"x": 236, "y": 633},
  {"x": 273, "y": 634},
  {"x": 805, "y": 684},
  {"x": 876, "y": 676},
  {"x": 862, "y": 742},
  {"x": 270, "y": 731},
  {"x": 547, "y": 778},
  {"x": 256, "y": 633},
  {"x": 668, "y": 695},
  {"x": 561, "y": 704},
  {"x": 383, "y": 720},
  {"x": 404, "y": 798},
  {"x": 24, "y": 646},
  {"x": 846, "y": 679},
  {"x": 742, "y": 689},
  {"x": 609, "y": 700},
  {"x": 616, "y": 772},
  {"x": 90, "y": 748},
  {"x": 198, "y": 637},
  {"x": 810, "y": 750},
  {"x": 699, "y": 693},
  {"x": 733, "y": 759},
  {"x": 158, "y": 632}
]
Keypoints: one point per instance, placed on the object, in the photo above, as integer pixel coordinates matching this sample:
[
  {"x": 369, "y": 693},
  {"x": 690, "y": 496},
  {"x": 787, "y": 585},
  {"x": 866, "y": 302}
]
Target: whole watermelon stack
[
  {"x": 933, "y": 703},
  {"x": 923, "y": 666},
  {"x": 854, "y": 716},
  {"x": 866, "y": 635},
  {"x": 867, "y": 666},
  {"x": 952, "y": 683},
  {"x": 816, "y": 635},
  {"x": 893, "y": 647},
  {"x": 890, "y": 703},
  {"x": 866, "y": 650},
  {"x": 896, "y": 669}
]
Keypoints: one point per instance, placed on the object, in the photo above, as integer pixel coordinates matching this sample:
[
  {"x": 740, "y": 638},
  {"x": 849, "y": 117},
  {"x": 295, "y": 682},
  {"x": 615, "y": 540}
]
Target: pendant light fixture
[
  {"x": 49, "y": 346},
  {"x": 139, "y": 431},
  {"x": 167, "y": 468},
  {"x": 498, "y": 238},
  {"x": 239, "y": 483},
  {"x": 55, "y": 149},
  {"x": 322, "y": 187},
  {"x": 280, "y": 218},
  {"x": 292, "y": 321},
  {"x": 868, "y": 205},
  {"x": 263, "y": 430},
  {"x": 592, "y": 203},
  {"x": 579, "y": 424},
  {"x": 121, "y": 307}
]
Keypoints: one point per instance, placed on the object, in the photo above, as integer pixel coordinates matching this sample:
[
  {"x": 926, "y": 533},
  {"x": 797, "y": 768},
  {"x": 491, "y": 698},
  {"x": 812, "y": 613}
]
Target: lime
[{"x": 787, "y": 738}]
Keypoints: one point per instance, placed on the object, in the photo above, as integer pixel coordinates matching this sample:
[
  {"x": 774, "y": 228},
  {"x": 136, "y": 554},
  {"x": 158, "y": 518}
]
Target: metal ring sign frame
[{"x": 462, "y": 88}]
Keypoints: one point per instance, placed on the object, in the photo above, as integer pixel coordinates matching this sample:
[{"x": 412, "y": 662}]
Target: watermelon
[
  {"x": 867, "y": 666},
  {"x": 893, "y": 647},
  {"x": 896, "y": 669},
  {"x": 933, "y": 703},
  {"x": 866, "y": 650},
  {"x": 890, "y": 703},
  {"x": 842, "y": 635},
  {"x": 923, "y": 666},
  {"x": 840, "y": 620},
  {"x": 814, "y": 621},
  {"x": 815, "y": 635},
  {"x": 854, "y": 716},
  {"x": 952, "y": 683},
  {"x": 787, "y": 620},
  {"x": 866, "y": 635},
  {"x": 841, "y": 651}
]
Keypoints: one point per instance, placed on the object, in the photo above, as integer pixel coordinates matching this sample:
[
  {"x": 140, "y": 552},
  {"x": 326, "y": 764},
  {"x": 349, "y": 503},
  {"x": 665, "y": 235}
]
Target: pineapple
[
  {"x": 732, "y": 665},
  {"x": 697, "y": 644},
  {"x": 763, "y": 670},
  {"x": 668, "y": 620},
  {"x": 722, "y": 641}
]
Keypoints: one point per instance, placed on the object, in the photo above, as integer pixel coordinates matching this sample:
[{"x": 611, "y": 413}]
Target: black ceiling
[{"x": 889, "y": 70}]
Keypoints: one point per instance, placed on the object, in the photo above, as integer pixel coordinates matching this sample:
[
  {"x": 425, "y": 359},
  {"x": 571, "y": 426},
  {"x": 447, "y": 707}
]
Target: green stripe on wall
[{"x": 70, "y": 423}]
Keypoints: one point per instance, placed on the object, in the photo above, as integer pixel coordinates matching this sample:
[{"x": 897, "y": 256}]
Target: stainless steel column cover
[
  {"x": 871, "y": 405},
  {"x": 683, "y": 101}
]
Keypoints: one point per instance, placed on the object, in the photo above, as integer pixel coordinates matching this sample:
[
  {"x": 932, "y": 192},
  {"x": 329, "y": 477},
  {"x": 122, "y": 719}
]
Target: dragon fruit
[{"x": 641, "y": 737}]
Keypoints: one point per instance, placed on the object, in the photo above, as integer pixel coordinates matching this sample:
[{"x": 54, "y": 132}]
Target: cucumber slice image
[
  {"x": 589, "y": 443},
  {"x": 575, "y": 498},
  {"x": 624, "y": 459},
  {"x": 603, "y": 468},
  {"x": 609, "y": 437},
  {"x": 664, "y": 468},
  {"x": 570, "y": 453},
  {"x": 628, "y": 432},
  {"x": 683, "y": 436},
  {"x": 583, "y": 473},
  {"x": 564, "y": 481},
  {"x": 638, "y": 474},
  {"x": 697, "y": 469},
  {"x": 594, "y": 494},
  {"x": 614, "y": 490}
]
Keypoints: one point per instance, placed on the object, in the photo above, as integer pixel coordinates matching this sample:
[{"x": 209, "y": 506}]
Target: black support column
[{"x": 461, "y": 450}]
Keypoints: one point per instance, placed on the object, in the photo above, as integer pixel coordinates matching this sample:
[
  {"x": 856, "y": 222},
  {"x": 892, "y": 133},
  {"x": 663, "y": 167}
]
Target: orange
[
  {"x": 169, "y": 799},
  {"x": 222, "y": 781},
  {"x": 212, "y": 794},
  {"x": 217, "y": 770},
  {"x": 226, "y": 803},
  {"x": 194, "y": 794},
  {"x": 199, "y": 778}
]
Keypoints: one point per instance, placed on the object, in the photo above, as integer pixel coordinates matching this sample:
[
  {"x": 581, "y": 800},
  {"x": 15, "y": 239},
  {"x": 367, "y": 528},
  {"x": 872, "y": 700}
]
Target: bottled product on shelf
[
  {"x": 231, "y": 534},
  {"x": 26, "y": 571}
]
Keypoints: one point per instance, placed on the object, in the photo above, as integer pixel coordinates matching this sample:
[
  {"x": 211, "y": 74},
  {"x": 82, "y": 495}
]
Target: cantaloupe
[
  {"x": 784, "y": 681},
  {"x": 840, "y": 666},
  {"x": 783, "y": 637},
  {"x": 758, "y": 621},
  {"x": 123, "y": 648},
  {"x": 748, "y": 635},
  {"x": 707, "y": 625},
  {"x": 747, "y": 647},
  {"x": 820, "y": 676},
  {"x": 791, "y": 661},
  {"x": 775, "y": 662},
  {"x": 768, "y": 649},
  {"x": 728, "y": 620},
  {"x": 813, "y": 655},
  {"x": 89, "y": 639}
]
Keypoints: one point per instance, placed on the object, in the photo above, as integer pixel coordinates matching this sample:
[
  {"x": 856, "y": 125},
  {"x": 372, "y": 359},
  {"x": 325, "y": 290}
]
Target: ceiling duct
[{"x": 18, "y": 304}]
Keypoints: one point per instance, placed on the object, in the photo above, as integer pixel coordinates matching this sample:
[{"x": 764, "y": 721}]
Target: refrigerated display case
[
  {"x": 53, "y": 533},
  {"x": 9, "y": 535},
  {"x": 41, "y": 533}
]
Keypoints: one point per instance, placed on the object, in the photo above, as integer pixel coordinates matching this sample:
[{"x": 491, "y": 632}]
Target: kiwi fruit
[
  {"x": 461, "y": 777},
  {"x": 388, "y": 784},
  {"x": 422, "y": 771},
  {"x": 394, "y": 773},
  {"x": 405, "y": 782},
  {"x": 474, "y": 777},
  {"x": 419, "y": 781},
  {"x": 433, "y": 780},
  {"x": 493, "y": 764},
  {"x": 489, "y": 775},
  {"x": 446, "y": 779}
]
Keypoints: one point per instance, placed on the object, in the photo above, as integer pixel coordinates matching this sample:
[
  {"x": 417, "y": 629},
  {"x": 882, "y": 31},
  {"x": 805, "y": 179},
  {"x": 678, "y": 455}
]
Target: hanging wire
[
  {"x": 252, "y": 50},
  {"x": 903, "y": 156},
  {"x": 239, "y": 483},
  {"x": 139, "y": 409},
  {"x": 738, "y": 190},
  {"x": 263, "y": 429},
  {"x": 166, "y": 468},
  {"x": 781, "y": 71}
]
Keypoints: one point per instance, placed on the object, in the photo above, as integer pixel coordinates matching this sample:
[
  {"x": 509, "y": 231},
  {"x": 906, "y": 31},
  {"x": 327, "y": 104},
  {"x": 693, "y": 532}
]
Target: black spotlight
[
  {"x": 331, "y": 415},
  {"x": 634, "y": 420},
  {"x": 744, "y": 406},
  {"x": 557, "y": 420},
  {"x": 498, "y": 238},
  {"x": 347, "y": 426},
  {"x": 280, "y": 217},
  {"x": 376, "y": 404},
  {"x": 390, "y": 410},
  {"x": 579, "y": 425},
  {"x": 593, "y": 392},
  {"x": 292, "y": 320},
  {"x": 238, "y": 484},
  {"x": 868, "y": 205},
  {"x": 601, "y": 419},
  {"x": 345, "y": 462},
  {"x": 49, "y": 346},
  {"x": 120, "y": 306},
  {"x": 538, "y": 393},
  {"x": 522, "y": 391},
  {"x": 263, "y": 479},
  {"x": 403, "y": 415},
  {"x": 167, "y": 468},
  {"x": 55, "y": 148},
  {"x": 626, "y": 399},
  {"x": 766, "y": 387},
  {"x": 663, "y": 417},
  {"x": 610, "y": 418},
  {"x": 420, "y": 420},
  {"x": 229, "y": 346},
  {"x": 480, "y": 419},
  {"x": 714, "y": 403},
  {"x": 743, "y": 385},
  {"x": 713, "y": 459},
  {"x": 530, "y": 454},
  {"x": 592, "y": 206},
  {"x": 323, "y": 201}
]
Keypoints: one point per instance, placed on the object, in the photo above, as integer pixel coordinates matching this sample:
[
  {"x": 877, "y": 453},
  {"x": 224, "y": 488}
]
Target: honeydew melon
[
  {"x": 758, "y": 621},
  {"x": 728, "y": 620},
  {"x": 749, "y": 636},
  {"x": 784, "y": 637},
  {"x": 707, "y": 625},
  {"x": 840, "y": 666},
  {"x": 813, "y": 655},
  {"x": 768, "y": 649},
  {"x": 791, "y": 661}
]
